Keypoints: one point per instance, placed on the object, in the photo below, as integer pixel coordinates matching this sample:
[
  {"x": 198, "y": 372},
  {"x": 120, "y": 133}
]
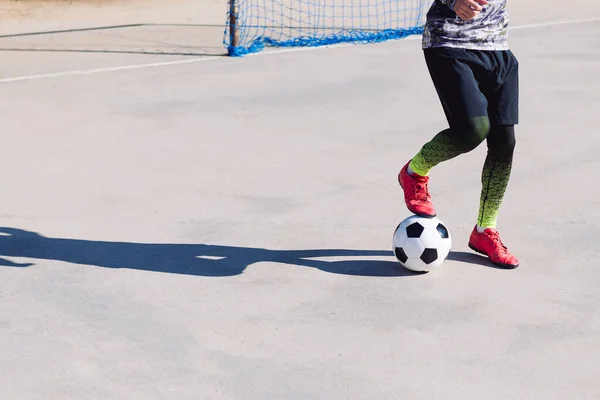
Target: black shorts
[{"x": 475, "y": 83}]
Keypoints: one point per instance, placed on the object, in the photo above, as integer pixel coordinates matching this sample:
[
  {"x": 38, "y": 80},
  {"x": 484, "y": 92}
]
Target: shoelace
[
  {"x": 421, "y": 190},
  {"x": 500, "y": 247}
]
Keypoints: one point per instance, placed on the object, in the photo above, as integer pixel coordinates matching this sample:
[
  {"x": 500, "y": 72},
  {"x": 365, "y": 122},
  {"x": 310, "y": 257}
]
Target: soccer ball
[{"x": 421, "y": 244}]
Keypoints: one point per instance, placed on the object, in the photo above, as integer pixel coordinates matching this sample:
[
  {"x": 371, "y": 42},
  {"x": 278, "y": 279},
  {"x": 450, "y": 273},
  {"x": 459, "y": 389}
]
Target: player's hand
[{"x": 468, "y": 9}]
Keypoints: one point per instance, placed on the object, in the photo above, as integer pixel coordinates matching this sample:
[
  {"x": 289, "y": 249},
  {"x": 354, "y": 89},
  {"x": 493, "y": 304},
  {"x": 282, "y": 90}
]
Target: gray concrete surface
[{"x": 222, "y": 230}]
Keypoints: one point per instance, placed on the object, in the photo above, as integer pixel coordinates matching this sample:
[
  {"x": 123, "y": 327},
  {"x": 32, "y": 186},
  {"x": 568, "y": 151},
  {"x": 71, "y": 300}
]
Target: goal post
[
  {"x": 253, "y": 25},
  {"x": 232, "y": 28}
]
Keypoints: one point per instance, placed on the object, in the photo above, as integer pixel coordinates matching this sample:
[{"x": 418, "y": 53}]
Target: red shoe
[
  {"x": 416, "y": 193},
  {"x": 489, "y": 244}
]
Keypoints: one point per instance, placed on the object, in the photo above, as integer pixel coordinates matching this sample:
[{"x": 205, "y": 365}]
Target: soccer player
[{"x": 476, "y": 78}]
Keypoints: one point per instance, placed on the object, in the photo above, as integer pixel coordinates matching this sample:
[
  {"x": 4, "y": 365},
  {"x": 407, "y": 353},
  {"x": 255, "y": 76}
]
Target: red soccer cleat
[
  {"x": 489, "y": 244},
  {"x": 416, "y": 193}
]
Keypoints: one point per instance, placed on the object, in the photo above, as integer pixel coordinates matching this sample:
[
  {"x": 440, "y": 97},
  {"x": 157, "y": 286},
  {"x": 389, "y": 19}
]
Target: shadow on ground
[
  {"x": 143, "y": 39},
  {"x": 188, "y": 259},
  {"x": 472, "y": 258}
]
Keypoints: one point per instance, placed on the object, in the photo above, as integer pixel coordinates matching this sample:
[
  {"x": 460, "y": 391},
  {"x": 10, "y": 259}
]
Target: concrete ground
[{"x": 216, "y": 228}]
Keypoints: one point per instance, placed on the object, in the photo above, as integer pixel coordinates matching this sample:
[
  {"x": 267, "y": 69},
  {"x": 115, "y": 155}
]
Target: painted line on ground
[
  {"x": 555, "y": 23},
  {"x": 264, "y": 53},
  {"x": 106, "y": 69}
]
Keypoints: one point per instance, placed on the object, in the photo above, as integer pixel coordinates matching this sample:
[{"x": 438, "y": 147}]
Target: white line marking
[
  {"x": 546, "y": 24},
  {"x": 107, "y": 69},
  {"x": 263, "y": 53}
]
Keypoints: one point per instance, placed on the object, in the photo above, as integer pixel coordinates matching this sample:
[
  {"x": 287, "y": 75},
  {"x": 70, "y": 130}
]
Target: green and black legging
[{"x": 479, "y": 93}]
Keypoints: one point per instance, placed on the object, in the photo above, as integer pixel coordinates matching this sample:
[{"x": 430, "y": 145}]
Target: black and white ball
[{"x": 421, "y": 244}]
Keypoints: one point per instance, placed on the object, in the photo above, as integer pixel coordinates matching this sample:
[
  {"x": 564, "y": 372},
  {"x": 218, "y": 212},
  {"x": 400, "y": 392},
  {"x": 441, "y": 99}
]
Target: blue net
[{"x": 287, "y": 23}]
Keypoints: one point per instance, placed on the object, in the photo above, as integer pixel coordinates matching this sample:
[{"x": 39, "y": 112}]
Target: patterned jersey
[{"x": 487, "y": 31}]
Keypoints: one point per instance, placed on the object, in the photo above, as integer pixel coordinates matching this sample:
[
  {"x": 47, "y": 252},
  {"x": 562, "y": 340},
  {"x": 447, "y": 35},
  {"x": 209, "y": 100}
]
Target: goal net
[{"x": 253, "y": 25}]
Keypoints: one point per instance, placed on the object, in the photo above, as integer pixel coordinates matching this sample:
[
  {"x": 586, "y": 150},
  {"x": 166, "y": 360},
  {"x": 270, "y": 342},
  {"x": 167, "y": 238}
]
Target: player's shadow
[{"x": 188, "y": 259}]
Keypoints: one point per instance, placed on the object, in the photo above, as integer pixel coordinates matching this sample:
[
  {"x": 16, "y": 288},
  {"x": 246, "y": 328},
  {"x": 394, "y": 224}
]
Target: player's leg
[
  {"x": 465, "y": 106},
  {"x": 450, "y": 143},
  {"x": 495, "y": 174},
  {"x": 503, "y": 111}
]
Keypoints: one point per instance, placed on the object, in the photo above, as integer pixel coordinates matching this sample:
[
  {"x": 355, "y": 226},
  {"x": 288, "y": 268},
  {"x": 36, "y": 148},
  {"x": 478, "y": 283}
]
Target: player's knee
[
  {"x": 474, "y": 132},
  {"x": 502, "y": 142},
  {"x": 508, "y": 147}
]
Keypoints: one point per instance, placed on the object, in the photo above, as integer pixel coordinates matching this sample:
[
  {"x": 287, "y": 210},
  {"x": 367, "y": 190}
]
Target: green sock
[
  {"x": 494, "y": 180},
  {"x": 448, "y": 144},
  {"x": 440, "y": 148}
]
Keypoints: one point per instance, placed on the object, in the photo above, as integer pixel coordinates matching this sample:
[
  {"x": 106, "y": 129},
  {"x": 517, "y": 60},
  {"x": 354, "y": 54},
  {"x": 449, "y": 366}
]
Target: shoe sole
[
  {"x": 422, "y": 215},
  {"x": 509, "y": 266},
  {"x": 414, "y": 212}
]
